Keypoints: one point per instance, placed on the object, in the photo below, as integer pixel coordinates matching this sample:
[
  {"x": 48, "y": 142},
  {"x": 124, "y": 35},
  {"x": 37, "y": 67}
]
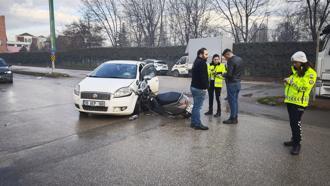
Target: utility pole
[{"x": 52, "y": 34}]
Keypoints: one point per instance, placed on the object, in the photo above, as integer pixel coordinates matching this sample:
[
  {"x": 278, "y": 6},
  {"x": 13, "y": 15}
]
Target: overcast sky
[{"x": 32, "y": 16}]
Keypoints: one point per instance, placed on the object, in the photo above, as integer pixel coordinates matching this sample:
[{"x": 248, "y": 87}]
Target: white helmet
[{"x": 299, "y": 56}]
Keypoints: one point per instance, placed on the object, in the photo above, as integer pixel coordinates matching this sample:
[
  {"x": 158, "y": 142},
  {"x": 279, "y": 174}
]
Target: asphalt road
[{"x": 43, "y": 141}]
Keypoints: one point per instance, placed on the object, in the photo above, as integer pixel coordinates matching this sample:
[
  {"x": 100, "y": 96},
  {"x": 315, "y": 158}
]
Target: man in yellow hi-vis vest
[
  {"x": 215, "y": 71},
  {"x": 297, "y": 89}
]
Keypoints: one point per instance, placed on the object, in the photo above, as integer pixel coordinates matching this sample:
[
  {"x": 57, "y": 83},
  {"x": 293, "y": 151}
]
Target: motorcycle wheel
[
  {"x": 186, "y": 114},
  {"x": 138, "y": 107}
]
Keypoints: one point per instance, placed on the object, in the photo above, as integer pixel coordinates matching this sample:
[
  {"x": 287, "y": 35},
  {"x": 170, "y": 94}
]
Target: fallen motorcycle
[{"x": 168, "y": 103}]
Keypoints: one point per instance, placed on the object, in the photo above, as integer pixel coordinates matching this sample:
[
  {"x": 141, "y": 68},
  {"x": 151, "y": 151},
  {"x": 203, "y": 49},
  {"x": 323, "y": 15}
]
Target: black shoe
[
  {"x": 288, "y": 143},
  {"x": 192, "y": 126},
  {"x": 218, "y": 114},
  {"x": 208, "y": 112},
  {"x": 230, "y": 121},
  {"x": 295, "y": 150},
  {"x": 201, "y": 127}
]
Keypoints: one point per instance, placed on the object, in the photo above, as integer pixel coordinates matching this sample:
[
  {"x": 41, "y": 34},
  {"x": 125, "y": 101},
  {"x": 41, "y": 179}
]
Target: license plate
[{"x": 94, "y": 103}]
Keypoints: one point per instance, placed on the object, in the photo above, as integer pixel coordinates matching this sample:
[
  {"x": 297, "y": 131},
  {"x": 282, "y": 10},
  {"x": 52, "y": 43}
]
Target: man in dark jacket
[
  {"x": 199, "y": 85},
  {"x": 233, "y": 83}
]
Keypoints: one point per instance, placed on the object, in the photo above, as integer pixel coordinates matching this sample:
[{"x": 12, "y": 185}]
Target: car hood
[
  {"x": 110, "y": 85},
  {"x": 4, "y": 69}
]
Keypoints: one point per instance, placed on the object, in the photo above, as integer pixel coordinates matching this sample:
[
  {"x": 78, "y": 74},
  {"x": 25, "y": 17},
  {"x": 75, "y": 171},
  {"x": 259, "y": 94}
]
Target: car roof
[
  {"x": 154, "y": 60},
  {"x": 124, "y": 62}
]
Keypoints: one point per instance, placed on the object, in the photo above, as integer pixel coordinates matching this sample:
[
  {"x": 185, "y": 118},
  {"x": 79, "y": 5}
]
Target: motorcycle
[{"x": 168, "y": 103}]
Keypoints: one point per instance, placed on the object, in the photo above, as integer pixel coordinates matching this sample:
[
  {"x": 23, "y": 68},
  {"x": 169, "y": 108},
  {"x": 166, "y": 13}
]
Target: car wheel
[{"x": 176, "y": 73}]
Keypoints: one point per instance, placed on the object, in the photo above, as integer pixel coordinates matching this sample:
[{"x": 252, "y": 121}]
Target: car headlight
[
  {"x": 123, "y": 92},
  {"x": 8, "y": 72},
  {"x": 77, "y": 90}
]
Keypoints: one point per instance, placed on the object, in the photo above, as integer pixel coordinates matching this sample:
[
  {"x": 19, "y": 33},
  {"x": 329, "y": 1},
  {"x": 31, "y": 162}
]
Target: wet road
[{"x": 43, "y": 141}]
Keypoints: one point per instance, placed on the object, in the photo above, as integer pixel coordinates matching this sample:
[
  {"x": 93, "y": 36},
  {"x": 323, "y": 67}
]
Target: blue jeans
[
  {"x": 198, "y": 96},
  {"x": 232, "y": 94}
]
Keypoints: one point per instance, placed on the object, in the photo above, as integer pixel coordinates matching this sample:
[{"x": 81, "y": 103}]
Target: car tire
[{"x": 176, "y": 73}]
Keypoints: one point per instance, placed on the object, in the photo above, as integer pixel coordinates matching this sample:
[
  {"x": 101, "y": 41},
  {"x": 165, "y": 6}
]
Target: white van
[{"x": 214, "y": 45}]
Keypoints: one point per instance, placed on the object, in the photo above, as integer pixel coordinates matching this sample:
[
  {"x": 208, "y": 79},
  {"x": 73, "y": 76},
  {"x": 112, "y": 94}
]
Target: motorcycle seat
[{"x": 168, "y": 98}]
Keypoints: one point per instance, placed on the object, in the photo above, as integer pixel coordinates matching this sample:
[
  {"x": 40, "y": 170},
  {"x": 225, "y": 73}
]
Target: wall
[{"x": 262, "y": 60}]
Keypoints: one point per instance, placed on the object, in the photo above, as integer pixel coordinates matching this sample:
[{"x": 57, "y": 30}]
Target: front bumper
[
  {"x": 6, "y": 77},
  {"x": 114, "y": 106}
]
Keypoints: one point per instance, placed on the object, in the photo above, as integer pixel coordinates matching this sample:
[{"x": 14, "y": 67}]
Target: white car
[
  {"x": 182, "y": 67},
  {"x": 110, "y": 88},
  {"x": 161, "y": 66}
]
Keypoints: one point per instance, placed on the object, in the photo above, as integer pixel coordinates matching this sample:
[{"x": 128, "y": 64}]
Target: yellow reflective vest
[
  {"x": 215, "y": 73},
  {"x": 298, "y": 89}
]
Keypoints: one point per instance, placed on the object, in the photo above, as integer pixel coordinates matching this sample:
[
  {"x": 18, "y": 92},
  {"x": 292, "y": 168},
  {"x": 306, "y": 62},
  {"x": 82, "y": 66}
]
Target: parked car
[
  {"x": 182, "y": 67},
  {"x": 6, "y": 75},
  {"x": 109, "y": 89},
  {"x": 161, "y": 66}
]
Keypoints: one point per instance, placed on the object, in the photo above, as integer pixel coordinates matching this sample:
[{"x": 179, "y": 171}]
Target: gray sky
[{"x": 32, "y": 16}]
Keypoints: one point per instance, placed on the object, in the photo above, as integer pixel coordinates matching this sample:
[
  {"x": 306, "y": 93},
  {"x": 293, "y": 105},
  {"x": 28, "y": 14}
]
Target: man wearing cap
[
  {"x": 297, "y": 89},
  {"x": 233, "y": 83}
]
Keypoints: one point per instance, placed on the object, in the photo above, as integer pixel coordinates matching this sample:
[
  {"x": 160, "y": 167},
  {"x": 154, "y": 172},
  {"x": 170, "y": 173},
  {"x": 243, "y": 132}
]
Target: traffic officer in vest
[
  {"x": 215, "y": 71},
  {"x": 297, "y": 90}
]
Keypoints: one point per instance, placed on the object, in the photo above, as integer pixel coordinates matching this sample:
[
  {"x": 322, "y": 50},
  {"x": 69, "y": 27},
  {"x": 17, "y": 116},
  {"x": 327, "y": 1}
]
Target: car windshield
[
  {"x": 2, "y": 63},
  {"x": 112, "y": 70}
]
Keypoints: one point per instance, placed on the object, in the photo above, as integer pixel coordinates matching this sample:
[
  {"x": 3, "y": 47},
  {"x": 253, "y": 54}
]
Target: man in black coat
[
  {"x": 233, "y": 83},
  {"x": 199, "y": 85}
]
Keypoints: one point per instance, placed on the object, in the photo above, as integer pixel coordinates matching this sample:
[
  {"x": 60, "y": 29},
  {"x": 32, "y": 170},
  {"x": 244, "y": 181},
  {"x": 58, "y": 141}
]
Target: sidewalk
[{"x": 46, "y": 70}]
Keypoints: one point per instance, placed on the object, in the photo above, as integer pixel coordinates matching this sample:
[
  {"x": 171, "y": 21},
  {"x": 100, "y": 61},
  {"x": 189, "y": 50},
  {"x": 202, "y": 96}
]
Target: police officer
[
  {"x": 297, "y": 89},
  {"x": 215, "y": 71}
]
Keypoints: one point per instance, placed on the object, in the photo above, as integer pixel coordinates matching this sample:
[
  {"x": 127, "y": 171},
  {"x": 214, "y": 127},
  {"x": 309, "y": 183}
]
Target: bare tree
[
  {"x": 146, "y": 15},
  {"x": 188, "y": 19},
  {"x": 81, "y": 34},
  {"x": 241, "y": 15},
  {"x": 106, "y": 13},
  {"x": 291, "y": 26},
  {"x": 318, "y": 11}
]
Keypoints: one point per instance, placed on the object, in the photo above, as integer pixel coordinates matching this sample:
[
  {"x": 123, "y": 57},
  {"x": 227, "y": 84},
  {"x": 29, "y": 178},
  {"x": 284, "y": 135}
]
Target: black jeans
[
  {"x": 295, "y": 114},
  {"x": 211, "y": 91}
]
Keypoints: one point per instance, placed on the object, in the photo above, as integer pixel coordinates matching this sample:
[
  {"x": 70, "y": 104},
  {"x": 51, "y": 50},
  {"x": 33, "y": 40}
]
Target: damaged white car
[{"x": 109, "y": 89}]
